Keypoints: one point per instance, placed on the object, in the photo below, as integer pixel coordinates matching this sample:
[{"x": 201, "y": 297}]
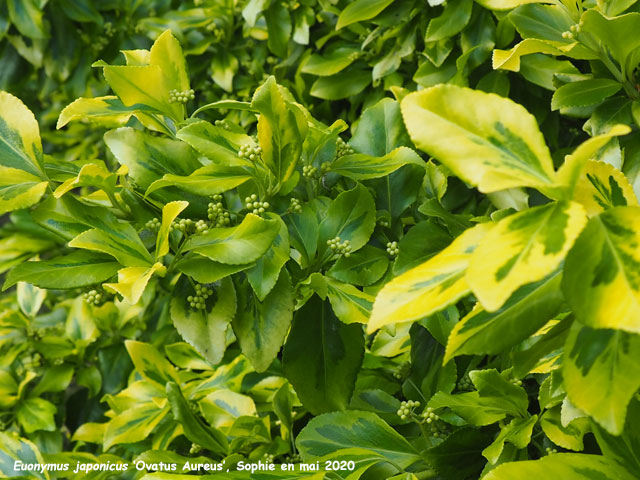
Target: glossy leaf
[{"x": 360, "y": 166}]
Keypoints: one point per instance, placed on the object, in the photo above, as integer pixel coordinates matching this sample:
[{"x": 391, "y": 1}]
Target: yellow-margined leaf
[
  {"x": 19, "y": 189},
  {"x": 488, "y": 141},
  {"x": 429, "y": 287},
  {"x": 510, "y": 59},
  {"x": 521, "y": 249},
  {"x": 133, "y": 280},
  {"x": 107, "y": 111},
  {"x": 602, "y": 186},
  {"x": 20, "y": 145},
  {"x": 169, "y": 213},
  {"x": 134, "y": 424},
  {"x": 602, "y": 271},
  {"x": 92, "y": 175}
]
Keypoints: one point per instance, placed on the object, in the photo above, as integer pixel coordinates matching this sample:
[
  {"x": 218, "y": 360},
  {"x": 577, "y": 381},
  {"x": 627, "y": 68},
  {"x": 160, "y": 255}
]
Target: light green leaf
[
  {"x": 279, "y": 131},
  {"x": 106, "y": 111},
  {"x": 487, "y": 140},
  {"x": 27, "y": 17},
  {"x": 208, "y": 180},
  {"x": 322, "y": 357},
  {"x": 203, "y": 270},
  {"x": 601, "y": 373},
  {"x": 332, "y": 432},
  {"x": 344, "y": 84},
  {"x": 215, "y": 143},
  {"x": 454, "y": 18},
  {"x": 169, "y": 213},
  {"x": 506, "y": 4},
  {"x": 380, "y": 130},
  {"x": 132, "y": 281},
  {"x": 36, "y": 414},
  {"x": 330, "y": 63},
  {"x": 121, "y": 242},
  {"x": 429, "y": 287},
  {"x": 204, "y": 329},
  {"x": 361, "y": 166},
  {"x": 510, "y": 59},
  {"x": 602, "y": 272},
  {"x": 167, "y": 54},
  {"x": 360, "y": 10},
  {"x": 78, "y": 269},
  {"x": 222, "y": 407},
  {"x": 364, "y": 267},
  {"x": 528, "y": 309},
  {"x": 569, "y": 436},
  {"x": 261, "y": 325},
  {"x": 562, "y": 465},
  {"x": 236, "y": 245},
  {"x": 90, "y": 175},
  {"x": 523, "y": 248},
  {"x": 349, "y": 304},
  {"x": 584, "y": 92},
  {"x": 517, "y": 432}
]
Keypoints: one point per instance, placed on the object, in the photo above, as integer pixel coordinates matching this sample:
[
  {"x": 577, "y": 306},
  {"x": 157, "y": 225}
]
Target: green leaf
[
  {"x": 322, "y": 357},
  {"x": 20, "y": 145},
  {"x": 511, "y": 59},
  {"x": 221, "y": 407},
  {"x": 90, "y": 175},
  {"x": 602, "y": 186},
  {"x": 134, "y": 424},
  {"x": 351, "y": 216},
  {"x": 194, "y": 428},
  {"x": 345, "y": 84},
  {"x": 278, "y": 27},
  {"x": 215, "y": 143},
  {"x": 454, "y": 18},
  {"x": 15, "y": 449},
  {"x": 561, "y": 465},
  {"x": 236, "y": 245},
  {"x": 523, "y": 248},
  {"x": 167, "y": 54},
  {"x": 360, "y": 10},
  {"x": 622, "y": 449},
  {"x": 36, "y": 414},
  {"x": 279, "y": 131},
  {"x": 349, "y": 304},
  {"x": 602, "y": 271},
  {"x": 204, "y": 329},
  {"x": 601, "y": 373},
  {"x": 19, "y": 189},
  {"x": 505, "y": 4},
  {"x": 150, "y": 363},
  {"x": 331, "y": 63},
  {"x": 380, "y": 130},
  {"x": 364, "y": 267},
  {"x": 361, "y": 166},
  {"x": 303, "y": 232},
  {"x": 545, "y": 22},
  {"x": 528, "y": 309},
  {"x": 264, "y": 274},
  {"x": 459, "y": 454},
  {"x": 78, "y": 269},
  {"x": 584, "y": 92},
  {"x": 569, "y": 436},
  {"x": 261, "y": 325},
  {"x": 203, "y": 270},
  {"x": 429, "y": 287},
  {"x": 517, "y": 432},
  {"x": 121, "y": 242},
  {"x": 149, "y": 157},
  {"x": 336, "y": 431},
  {"x": 26, "y": 15},
  {"x": 208, "y": 180},
  {"x": 488, "y": 141}
]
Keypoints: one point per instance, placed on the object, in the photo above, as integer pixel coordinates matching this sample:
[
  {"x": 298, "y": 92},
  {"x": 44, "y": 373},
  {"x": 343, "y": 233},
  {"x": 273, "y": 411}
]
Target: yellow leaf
[{"x": 133, "y": 280}]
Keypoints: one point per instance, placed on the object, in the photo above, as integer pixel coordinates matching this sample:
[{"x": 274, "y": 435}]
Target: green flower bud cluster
[
  {"x": 465, "y": 383},
  {"x": 268, "y": 458},
  {"x": 406, "y": 409},
  {"x": 195, "y": 448},
  {"x": 572, "y": 32},
  {"x": 383, "y": 222},
  {"x": 271, "y": 59},
  {"x": 516, "y": 382},
  {"x": 340, "y": 248},
  {"x": 176, "y": 96},
  {"x": 222, "y": 124},
  {"x": 392, "y": 249},
  {"x": 57, "y": 362},
  {"x": 99, "y": 43},
  {"x": 402, "y": 371},
  {"x": 153, "y": 225},
  {"x": 201, "y": 226},
  {"x": 33, "y": 333},
  {"x": 254, "y": 205},
  {"x": 309, "y": 171},
  {"x": 216, "y": 213},
  {"x": 216, "y": 31},
  {"x": 197, "y": 301},
  {"x": 250, "y": 152},
  {"x": 109, "y": 31},
  {"x": 551, "y": 451},
  {"x": 295, "y": 206},
  {"x": 293, "y": 458},
  {"x": 325, "y": 167},
  {"x": 343, "y": 148},
  {"x": 93, "y": 297},
  {"x": 184, "y": 225},
  {"x": 429, "y": 416}
]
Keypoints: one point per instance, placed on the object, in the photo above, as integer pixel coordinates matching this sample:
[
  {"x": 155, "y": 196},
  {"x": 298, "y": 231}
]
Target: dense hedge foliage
[{"x": 394, "y": 239}]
